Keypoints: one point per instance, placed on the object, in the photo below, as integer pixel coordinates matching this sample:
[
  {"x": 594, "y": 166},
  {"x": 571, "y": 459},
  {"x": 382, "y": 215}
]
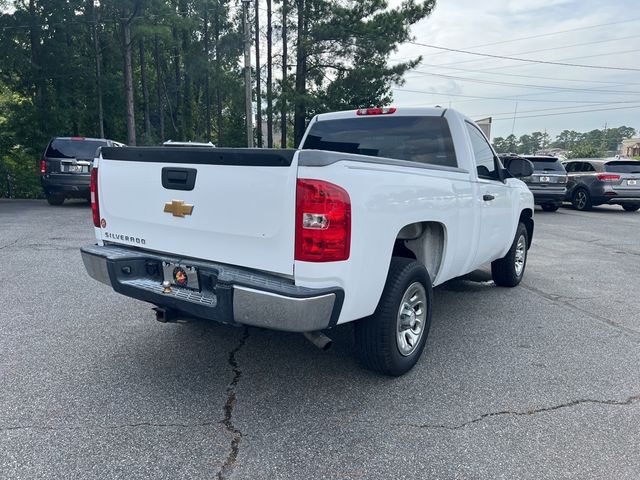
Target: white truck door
[{"x": 493, "y": 199}]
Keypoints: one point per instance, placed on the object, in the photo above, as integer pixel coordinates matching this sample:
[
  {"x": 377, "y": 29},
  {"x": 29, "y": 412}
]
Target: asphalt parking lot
[{"x": 541, "y": 381}]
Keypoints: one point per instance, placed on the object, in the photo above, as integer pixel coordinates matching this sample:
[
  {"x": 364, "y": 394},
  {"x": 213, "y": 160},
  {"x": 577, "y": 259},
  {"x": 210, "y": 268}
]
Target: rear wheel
[
  {"x": 631, "y": 208},
  {"x": 392, "y": 339},
  {"x": 581, "y": 200},
  {"x": 549, "y": 207},
  {"x": 55, "y": 199},
  {"x": 508, "y": 270}
]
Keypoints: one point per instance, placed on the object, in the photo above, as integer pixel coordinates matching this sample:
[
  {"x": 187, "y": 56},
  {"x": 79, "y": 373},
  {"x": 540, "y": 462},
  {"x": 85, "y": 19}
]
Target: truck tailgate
[{"x": 243, "y": 203}]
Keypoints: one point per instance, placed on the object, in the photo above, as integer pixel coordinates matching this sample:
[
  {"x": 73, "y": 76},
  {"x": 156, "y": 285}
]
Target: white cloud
[{"x": 468, "y": 24}]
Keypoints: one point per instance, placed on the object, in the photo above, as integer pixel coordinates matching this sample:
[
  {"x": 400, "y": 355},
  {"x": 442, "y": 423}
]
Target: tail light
[
  {"x": 376, "y": 111},
  {"x": 608, "y": 177},
  {"x": 95, "y": 207},
  {"x": 323, "y": 222},
  {"x": 564, "y": 179},
  {"x": 43, "y": 166}
]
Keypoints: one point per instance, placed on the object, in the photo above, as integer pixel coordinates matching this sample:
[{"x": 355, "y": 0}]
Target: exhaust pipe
[{"x": 319, "y": 339}]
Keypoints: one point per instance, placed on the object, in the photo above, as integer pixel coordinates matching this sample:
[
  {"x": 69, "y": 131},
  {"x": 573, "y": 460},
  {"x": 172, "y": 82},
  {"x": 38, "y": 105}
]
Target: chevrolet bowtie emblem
[{"x": 178, "y": 208}]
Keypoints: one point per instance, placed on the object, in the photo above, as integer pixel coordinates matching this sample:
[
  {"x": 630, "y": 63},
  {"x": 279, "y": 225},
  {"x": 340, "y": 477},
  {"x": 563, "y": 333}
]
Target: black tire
[
  {"x": 579, "y": 204},
  {"x": 631, "y": 208},
  {"x": 55, "y": 199},
  {"x": 549, "y": 207},
  {"x": 376, "y": 337},
  {"x": 503, "y": 270}
]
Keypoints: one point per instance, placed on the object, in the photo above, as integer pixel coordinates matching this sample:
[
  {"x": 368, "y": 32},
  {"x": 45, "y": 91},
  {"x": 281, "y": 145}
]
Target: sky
[{"x": 540, "y": 96}]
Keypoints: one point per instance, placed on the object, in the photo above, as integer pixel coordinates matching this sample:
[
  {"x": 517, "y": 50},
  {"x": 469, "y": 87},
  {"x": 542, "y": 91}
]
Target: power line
[
  {"x": 528, "y": 60},
  {"x": 481, "y": 97},
  {"x": 582, "y": 105},
  {"x": 526, "y": 85},
  {"x": 502, "y": 74},
  {"x": 512, "y": 40},
  {"x": 568, "y": 113},
  {"x": 554, "y": 48}
]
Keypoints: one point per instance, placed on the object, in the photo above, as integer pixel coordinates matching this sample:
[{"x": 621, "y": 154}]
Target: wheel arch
[
  {"x": 526, "y": 217},
  {"x": 425, "y": 242}
]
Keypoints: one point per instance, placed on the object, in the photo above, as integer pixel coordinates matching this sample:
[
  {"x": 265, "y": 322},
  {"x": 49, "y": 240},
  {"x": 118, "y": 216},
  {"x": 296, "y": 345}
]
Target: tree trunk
[
  {"x": 145, "y": 92},
  {"x": 258, "y": 92},
  {"x": 128, "y": 80},
  {"x": 177, "y": 111},
  {"x": 300, "y": 111},
  {"x": 98, "y": 58},
  {"x": 36, "y": 69},
  {"x": 156, "y": 55},
  {"x": 269, "y": 80},
  {"x": 72, "y": 89},
  {"x": 283, "y": 94},
  {"x": 207, "y": 92},
  {"x": 216, "y": 38},
  {"x": 187, "y": 120}
]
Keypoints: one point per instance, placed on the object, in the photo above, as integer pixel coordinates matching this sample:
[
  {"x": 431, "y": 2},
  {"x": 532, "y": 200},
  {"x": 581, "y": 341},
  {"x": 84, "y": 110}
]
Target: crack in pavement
[
  {"x": 10, "y": 244},
  {"x": 629, "y": 401},
  {"x": 594, "y": 316},
  {"x": 236, "y": 435},
  {"x": 109, "y": 427}
]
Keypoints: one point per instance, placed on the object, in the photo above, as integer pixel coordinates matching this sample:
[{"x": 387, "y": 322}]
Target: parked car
[
  {"x": 66, "y": 164},
  {"x": 376, "y": 207},
  {"x": 548, "y": 182},
  {"x": 603, "y": 181}
]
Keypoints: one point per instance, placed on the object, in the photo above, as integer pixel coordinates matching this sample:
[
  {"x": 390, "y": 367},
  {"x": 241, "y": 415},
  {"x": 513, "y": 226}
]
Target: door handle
[{"x": 488, "y": 197}]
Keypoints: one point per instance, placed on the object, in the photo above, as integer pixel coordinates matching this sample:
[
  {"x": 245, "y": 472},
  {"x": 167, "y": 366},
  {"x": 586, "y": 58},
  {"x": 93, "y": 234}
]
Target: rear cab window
[
  {"x": 629, "y": 166},
  {"x": 420, "y": 139},
  {"x": 546, "y": 164},
  {"x": 80, "y": 149}
]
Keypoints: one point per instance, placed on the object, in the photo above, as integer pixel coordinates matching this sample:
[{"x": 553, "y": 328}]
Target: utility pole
[{"x": 247, "y": 72}]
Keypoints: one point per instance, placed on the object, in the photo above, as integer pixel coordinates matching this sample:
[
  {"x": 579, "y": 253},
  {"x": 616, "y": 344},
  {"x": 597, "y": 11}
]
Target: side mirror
[{"x": 520, "y": 167}]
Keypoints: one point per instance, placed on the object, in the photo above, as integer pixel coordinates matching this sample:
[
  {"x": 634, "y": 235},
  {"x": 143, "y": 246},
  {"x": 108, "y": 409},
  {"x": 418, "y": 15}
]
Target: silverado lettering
[{"x": 124, "y": 238}]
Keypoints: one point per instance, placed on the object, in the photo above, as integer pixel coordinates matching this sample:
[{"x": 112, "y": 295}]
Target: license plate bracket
[{"x": 180, "y": 275}]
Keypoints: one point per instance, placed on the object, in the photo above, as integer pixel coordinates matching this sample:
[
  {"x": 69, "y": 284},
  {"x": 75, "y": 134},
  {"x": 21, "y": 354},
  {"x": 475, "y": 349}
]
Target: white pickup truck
[{"x": 376, "y": 207}]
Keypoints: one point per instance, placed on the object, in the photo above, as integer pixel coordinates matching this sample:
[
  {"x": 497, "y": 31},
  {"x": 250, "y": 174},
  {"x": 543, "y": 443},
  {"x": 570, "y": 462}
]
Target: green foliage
[
  {"x": 585, "y": 150},
  {"x": 189, "y": 54},
  {"x": 595, "y": 143}
]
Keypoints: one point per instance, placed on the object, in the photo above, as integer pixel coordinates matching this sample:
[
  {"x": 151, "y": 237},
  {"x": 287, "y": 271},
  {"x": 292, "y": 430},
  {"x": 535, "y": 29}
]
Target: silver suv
[
  {"x": 548, "y": 182},
  {"x": 599, "y": 181}
]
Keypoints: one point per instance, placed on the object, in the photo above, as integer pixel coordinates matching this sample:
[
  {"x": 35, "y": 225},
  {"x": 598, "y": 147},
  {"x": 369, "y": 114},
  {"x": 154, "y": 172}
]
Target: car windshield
[
  {"x": 71, "y": 148},
  {"x": 546, "y": 164},
  {"x": 413, "y": 138},
  {"x": 630, "y": 166}
]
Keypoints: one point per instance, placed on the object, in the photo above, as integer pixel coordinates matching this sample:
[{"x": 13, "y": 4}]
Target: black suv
[
  {"x": 598, "y": 181},
  {"x": 65, "y": 167},
  {"x": 548, "y": 182}
]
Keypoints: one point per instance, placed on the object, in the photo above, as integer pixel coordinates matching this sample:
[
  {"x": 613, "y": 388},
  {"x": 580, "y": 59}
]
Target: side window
[
  {"x": 570, "y": 167},
  {"x": 486, "y": 163},
  {"x": 587, "y": 167}
]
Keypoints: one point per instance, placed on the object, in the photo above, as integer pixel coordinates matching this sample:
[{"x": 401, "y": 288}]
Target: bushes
[{"x": 19, "y": 175}]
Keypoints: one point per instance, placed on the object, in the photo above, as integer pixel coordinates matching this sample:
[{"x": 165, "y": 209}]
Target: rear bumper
[
  {"x": 547, "y": 197},
  {"x": 227, "y": 294},
  {"x": 68, "y": 184},
  {"x": 617, "y": 197}
]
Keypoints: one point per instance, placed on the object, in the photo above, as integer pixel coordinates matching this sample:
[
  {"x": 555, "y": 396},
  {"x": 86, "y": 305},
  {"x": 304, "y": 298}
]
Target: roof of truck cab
[{"x": 400, "y": 112}]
